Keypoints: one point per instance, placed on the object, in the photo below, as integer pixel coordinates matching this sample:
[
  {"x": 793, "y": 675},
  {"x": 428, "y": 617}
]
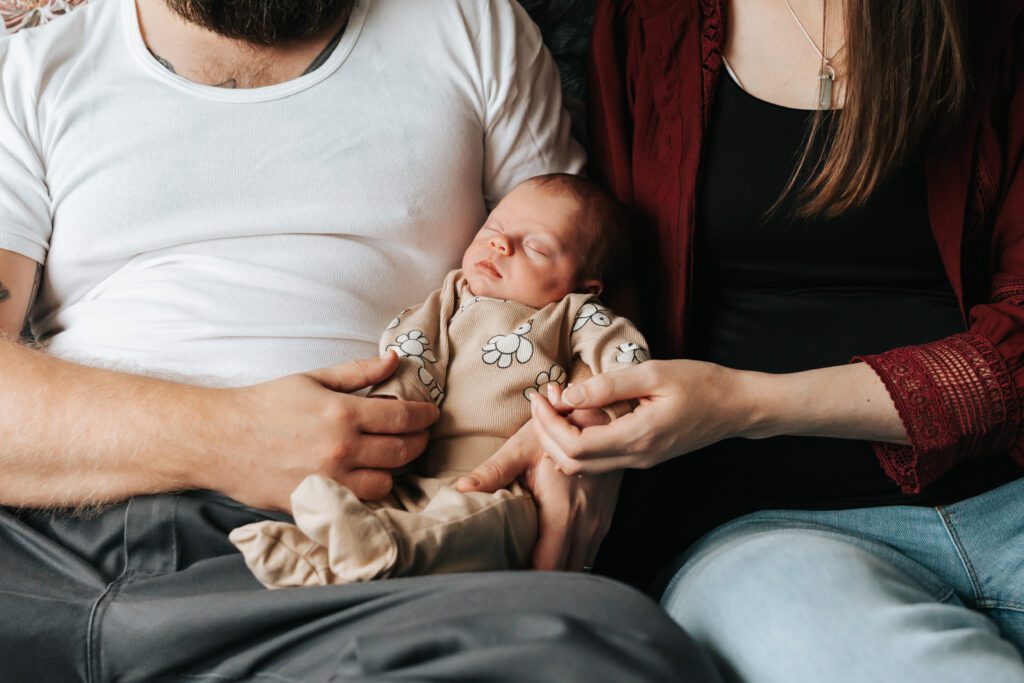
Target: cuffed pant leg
[{"x": 795, "y": 605}]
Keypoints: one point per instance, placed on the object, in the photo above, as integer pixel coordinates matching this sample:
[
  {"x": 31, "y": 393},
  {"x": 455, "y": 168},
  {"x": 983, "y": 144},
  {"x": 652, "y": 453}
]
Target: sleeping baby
[{"x": 520, "y": 314}]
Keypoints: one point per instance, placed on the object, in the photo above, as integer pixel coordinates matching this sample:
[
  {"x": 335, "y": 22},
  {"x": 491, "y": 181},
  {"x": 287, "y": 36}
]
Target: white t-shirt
[{"x": 195, "y": 231}]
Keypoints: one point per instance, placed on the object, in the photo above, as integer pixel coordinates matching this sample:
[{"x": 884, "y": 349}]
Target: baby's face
[{"x": 526, "y": 250}]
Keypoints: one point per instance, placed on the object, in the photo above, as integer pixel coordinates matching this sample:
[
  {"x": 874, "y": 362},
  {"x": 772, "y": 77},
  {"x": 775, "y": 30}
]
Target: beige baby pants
[{"x": 423, "y": 527}]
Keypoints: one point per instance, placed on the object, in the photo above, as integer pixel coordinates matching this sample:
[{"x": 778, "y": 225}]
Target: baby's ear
[{"x": 594, "y": 287}]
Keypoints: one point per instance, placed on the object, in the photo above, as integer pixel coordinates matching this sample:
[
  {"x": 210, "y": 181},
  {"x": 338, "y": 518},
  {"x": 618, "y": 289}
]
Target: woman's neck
[{"x": 772, "y": 57}]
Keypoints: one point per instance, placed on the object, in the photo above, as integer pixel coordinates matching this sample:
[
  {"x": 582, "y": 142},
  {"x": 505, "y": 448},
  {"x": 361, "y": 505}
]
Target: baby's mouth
[{"x": 488, "y": 267}]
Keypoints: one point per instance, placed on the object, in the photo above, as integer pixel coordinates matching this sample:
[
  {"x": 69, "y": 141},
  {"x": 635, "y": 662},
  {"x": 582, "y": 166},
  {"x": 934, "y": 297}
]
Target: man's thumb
[
  {"x": 497, "y": 472},
  {"x": 357, "y": 374}
]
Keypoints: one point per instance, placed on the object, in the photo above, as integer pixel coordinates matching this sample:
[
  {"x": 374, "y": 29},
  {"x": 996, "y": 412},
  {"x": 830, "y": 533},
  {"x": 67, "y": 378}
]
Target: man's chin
[{"x": 261, "y": 22}]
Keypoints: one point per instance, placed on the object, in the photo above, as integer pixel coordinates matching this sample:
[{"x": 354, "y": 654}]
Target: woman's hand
[
  {"x": 575, "y": 513},
  {"x": 684, "y": 405}
]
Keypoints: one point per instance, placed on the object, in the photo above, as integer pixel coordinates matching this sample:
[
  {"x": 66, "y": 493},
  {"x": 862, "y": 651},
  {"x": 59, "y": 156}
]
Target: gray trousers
[{"x": 151, "y": 590}]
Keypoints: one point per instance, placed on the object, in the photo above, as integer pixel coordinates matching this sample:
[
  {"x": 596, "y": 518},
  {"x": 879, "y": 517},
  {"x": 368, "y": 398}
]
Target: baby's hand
[
  {"x": 580, "y": 418},
  {"x": 588, "y": 417}
]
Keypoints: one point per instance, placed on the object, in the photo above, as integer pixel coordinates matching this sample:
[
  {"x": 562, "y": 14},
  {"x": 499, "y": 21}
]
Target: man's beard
[{"x": 261, "y": 22}]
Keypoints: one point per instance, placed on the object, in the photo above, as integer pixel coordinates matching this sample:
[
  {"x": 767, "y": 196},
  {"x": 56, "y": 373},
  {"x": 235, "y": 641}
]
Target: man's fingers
[
  {"x": 388, "y": 452},
  {"x": 357, "y": 374},
  {"x": 368, "y": 484},
  {"x": 378, "y": 416},
  {"x": 636, "y": 381},
  {"x": 497, "y": 472}
]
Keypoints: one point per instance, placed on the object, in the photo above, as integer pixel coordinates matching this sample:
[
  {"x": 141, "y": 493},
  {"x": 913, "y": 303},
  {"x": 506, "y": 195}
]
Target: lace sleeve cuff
[{"x": 956, "y": 399}]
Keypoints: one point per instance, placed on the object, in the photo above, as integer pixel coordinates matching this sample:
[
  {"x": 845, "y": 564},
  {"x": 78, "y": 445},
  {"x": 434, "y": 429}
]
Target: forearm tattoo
[{"x": 32, "y": 299}]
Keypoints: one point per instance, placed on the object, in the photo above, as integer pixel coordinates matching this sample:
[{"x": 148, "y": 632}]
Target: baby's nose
[{"x": 500, "y": 244}]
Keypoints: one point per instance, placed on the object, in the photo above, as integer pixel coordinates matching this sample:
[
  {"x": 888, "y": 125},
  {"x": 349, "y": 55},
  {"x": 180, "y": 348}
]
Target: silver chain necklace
[{"x": 827, "y": 74}]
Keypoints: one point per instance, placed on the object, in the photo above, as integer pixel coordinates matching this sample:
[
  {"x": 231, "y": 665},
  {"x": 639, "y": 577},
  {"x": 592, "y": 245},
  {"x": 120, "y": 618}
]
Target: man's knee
[{"x": 601, "y": 627}]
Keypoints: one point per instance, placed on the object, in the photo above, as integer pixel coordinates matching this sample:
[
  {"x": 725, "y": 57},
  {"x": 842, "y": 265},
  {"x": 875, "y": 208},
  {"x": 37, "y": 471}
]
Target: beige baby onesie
[{"x": 478, "y": 359}]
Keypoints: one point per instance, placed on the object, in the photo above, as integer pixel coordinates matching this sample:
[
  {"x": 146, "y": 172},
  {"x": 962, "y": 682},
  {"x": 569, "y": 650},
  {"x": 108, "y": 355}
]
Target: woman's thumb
[
  {"x": 497, "y": 472},
  {"x": 607, "y": 388}
]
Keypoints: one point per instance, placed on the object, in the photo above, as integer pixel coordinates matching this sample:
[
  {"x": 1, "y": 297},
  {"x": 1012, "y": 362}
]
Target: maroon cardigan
[{"x": 653, "y": 69}]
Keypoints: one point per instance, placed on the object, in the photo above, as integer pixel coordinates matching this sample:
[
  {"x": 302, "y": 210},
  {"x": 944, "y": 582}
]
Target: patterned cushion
[
  {"x": 19, "y": 14},
  {"x": 565, "y": 25}
]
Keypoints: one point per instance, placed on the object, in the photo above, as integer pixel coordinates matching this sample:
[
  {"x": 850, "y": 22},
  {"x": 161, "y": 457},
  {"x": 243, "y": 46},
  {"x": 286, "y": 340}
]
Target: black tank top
[{"x": 778, "y": 294}]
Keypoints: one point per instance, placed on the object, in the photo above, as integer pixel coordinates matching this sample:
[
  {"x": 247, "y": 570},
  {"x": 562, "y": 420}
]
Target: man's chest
[{"x": 151, "y": 171}]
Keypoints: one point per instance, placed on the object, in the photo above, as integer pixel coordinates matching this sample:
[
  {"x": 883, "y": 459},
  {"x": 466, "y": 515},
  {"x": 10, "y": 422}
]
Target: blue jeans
[{"x": 880, "y": 594}]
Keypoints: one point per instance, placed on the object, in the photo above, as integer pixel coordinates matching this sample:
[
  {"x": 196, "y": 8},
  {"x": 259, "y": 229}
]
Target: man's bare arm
[
  {"x": 72, "y": 435},
  {"x": 19, "y": 280}
]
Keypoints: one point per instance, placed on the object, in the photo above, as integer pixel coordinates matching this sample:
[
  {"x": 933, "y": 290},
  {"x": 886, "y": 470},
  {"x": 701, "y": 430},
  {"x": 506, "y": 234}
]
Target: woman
[{"x": 819, "y": 181}]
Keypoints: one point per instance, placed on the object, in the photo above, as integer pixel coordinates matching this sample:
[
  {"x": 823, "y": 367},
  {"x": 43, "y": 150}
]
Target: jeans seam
[
  {"x": 946, "y": 517},
  {"x": 1000, "y": 604}
]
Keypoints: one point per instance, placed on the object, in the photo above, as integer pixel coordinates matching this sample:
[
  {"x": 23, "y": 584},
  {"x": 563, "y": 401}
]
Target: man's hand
[
  {"x": 281, "y": 431},
  {"x": 575, "y": 513}
]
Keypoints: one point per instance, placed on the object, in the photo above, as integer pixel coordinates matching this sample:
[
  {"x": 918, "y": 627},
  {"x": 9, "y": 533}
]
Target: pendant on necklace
[{"x": 826, "y": 77}]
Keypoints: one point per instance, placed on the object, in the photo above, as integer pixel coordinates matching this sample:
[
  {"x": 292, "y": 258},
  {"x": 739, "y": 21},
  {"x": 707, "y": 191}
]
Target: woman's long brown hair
[{"x": 907, "y": 79}]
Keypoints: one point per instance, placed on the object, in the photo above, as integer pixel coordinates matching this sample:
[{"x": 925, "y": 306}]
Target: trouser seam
[
  {"x": 92, "y": 645},
  {"x": 226, "y": 679},
  {"x": 946, "y": 518},
  {"x": 93, "y": 673}
]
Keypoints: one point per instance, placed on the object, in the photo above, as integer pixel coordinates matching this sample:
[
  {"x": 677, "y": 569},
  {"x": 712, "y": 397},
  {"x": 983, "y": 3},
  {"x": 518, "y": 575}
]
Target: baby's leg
[
  {"x": 329, "y": 519},
  {"x": 425, "y": 527},
  {"x": 439, "y": 530}
]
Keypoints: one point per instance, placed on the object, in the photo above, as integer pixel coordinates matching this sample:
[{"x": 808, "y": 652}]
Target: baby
[{"x": 522, "y": 310}]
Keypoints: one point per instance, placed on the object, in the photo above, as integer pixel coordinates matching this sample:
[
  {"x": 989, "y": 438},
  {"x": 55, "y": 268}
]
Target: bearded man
[{"x": 227, "y": 196}]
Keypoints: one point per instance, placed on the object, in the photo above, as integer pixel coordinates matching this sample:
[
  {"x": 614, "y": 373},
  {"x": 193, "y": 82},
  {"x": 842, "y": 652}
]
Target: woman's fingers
[
  {"x": 497, "y": 472},
  {"x": 637, "y": 381},
  {"x": 563, "y": 440},
  {"x": 505, "y": 466},
  {"x": 593, "y": 451}
]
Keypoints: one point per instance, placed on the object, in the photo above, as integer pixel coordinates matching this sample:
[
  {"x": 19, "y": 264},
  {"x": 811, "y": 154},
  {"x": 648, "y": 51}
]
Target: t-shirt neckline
[{"x": 145, "y": 59}]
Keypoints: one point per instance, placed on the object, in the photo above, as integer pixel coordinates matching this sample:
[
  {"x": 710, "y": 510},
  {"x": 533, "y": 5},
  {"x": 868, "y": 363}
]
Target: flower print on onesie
[
  {"x": 416, "y": 346},
  {"x": 502, "y": 348},
  {"x": 592, "y": 313}
]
